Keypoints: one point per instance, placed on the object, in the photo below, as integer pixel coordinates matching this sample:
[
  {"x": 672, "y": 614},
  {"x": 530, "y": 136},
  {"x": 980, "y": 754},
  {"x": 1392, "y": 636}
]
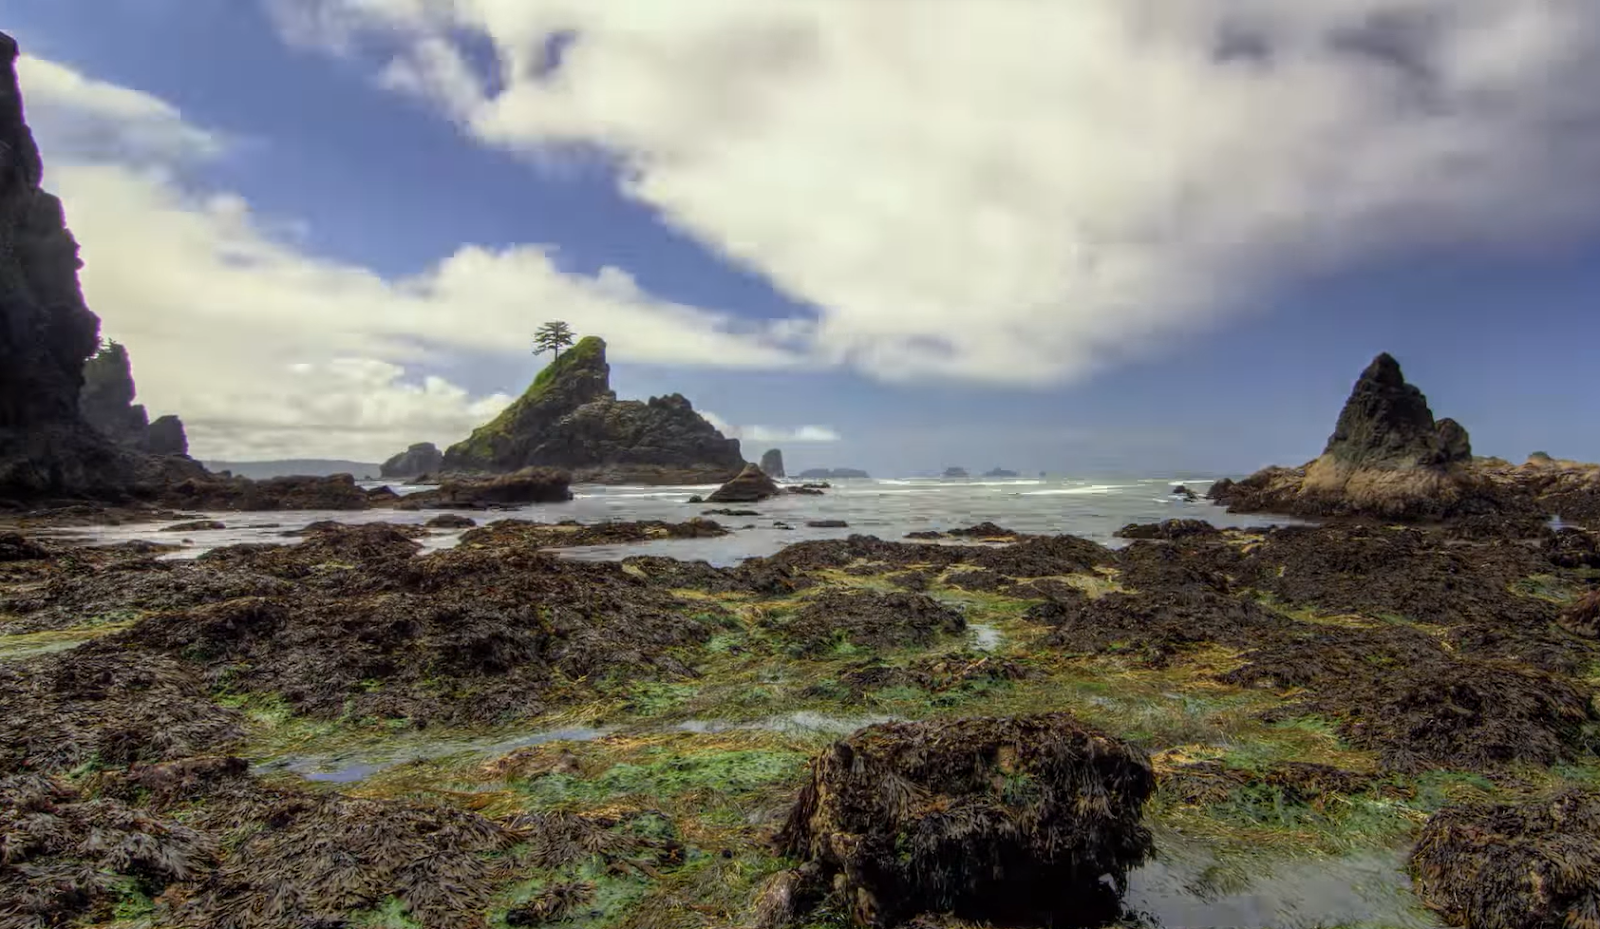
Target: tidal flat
[{"x": 351, "y": 731}]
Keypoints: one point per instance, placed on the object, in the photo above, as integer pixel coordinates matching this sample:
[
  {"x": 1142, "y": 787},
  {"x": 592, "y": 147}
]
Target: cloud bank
[
  {"x": 268, "y": 351},
  {"x": 1024, "y": 191}
]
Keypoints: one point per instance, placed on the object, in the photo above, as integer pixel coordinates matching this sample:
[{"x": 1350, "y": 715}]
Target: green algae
[{"x": 29, "y": 644}]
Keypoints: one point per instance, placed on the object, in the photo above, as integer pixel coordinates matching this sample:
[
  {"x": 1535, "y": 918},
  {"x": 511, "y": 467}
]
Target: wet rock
[
  {"x": 828, "y": 524},
  {"x": 925, "y": 534},
  {"x": 1169, "y": 530},
  {"x": 212, "y": 492},
  {"x": 450, "y": 521},
  {"x": 16, "y": 547},
  {"x": 1512, "y": 866},
  {"x": 1184, "y": 492},
  {"x": 198, "y": 525},
  {"x": 984, "y": 531},
  {"x": 420, "y": 459},
  {"x": 569, "y": 418},
  {"x": 1014, "y": 820},
  {"x": 772, "y": 463},
  {"x": 805, "y": 490},
  {"x": 723, "y": 511},
  {"x": 530, "y": 485},
  {"x": 866, "y": 619},
  {"x": 568, "y": 535},
  {"x": 751, "y": 486}
]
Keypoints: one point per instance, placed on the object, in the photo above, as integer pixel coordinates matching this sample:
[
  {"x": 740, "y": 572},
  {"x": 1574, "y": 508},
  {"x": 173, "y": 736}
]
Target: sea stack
[
  {"x": 751, "y": 486},
  {"x": 421, "y": 458},
  {"x": 569, "y": 418},
  {"x": 1387, "y": 458},
  {"x": 772, "y": 463}
]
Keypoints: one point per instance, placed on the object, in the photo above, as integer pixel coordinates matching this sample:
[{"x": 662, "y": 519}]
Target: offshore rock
[
  {"x": 530, "y": 485},
  {"x": 751, "y": 486},
  {"x": 421, "y": 458},
  {"x": 1387, "y": 458},
  {"x": 772, "y": 463},
  {"x": 569, "y": 418}
]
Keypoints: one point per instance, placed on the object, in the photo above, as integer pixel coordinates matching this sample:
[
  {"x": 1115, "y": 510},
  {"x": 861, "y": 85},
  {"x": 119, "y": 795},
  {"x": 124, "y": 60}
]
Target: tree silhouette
[{"x": 552, "y": 337}]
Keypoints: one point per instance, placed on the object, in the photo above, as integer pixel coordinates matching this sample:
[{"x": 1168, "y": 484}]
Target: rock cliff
[
  {"x": 569, "y": 418},
  {"x": 772, "y": 463},
  {"x": 106, "y": 403},
  {"x": 1386, "y": 458},
  {"x": 421, "y": 458},
  {"x": 46, "y": 331}
]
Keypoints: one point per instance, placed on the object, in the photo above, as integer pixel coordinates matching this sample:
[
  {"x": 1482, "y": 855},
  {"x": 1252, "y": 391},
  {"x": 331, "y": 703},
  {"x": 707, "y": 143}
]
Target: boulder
[
  {"x": 416, "y": 461},
  {"x": 751, "y": 486},
  {"x": 450, "y": 521},
  {"x": 529, "y": 485},
  {"x": 772, "y": 463},
  {"x": 1015, "y": 821},
  {"x": 570, "y": 419}
]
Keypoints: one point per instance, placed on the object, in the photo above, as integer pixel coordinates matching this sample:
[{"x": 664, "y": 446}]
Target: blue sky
[{"x": 328, "y": 227}]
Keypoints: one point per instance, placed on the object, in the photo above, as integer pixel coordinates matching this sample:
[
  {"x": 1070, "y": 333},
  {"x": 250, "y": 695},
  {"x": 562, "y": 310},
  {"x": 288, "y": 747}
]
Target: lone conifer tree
[{"x": 552, "y": 337}]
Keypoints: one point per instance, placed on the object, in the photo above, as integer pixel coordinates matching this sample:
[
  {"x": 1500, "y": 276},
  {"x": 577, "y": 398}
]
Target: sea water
[{"x": 886, "y": 508}]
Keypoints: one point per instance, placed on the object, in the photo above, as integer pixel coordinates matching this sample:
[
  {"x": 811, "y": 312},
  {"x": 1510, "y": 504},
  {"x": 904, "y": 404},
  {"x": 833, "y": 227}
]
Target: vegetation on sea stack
[{"x": 552, "y": 337}]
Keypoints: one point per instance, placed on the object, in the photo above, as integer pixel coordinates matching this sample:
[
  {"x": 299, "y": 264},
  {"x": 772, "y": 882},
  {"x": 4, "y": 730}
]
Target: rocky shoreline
[{"x": 1266, "y": 694}]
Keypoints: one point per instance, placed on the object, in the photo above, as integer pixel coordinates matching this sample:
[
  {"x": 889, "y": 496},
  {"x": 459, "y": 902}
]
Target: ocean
[{"x": 884, "y": 507}]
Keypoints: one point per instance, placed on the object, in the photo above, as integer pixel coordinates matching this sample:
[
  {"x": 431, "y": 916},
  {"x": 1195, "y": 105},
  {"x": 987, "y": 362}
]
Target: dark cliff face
[
  {"x": 46, "y": 331},
  {"x": 421, "y": 458},
  {"x": 106, "y": 404},
  {"x": 1386, "y": 423},
  {"x": 570, "y": 418}
]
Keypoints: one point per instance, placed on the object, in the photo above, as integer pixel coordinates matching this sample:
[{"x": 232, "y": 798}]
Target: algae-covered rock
[
  {"x": 1014, "y": 820},
  {"x": 1533, "y": 865}
]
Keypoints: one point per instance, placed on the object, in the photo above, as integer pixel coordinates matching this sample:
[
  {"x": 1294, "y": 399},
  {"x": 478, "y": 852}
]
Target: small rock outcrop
[
  {"x": 1015, "y": 821},
  {"x": 529, "y": 485},
  {"x": 751, "y": 486},
  {"x": 772, "y": 463},
  {"x": 955, "y": 473},
  {"x": 106, "y": 403},
  {"x": 569, "y": 418},
  {"x": 421, "y": 458},
  {"x": 1386, "y": 458}
]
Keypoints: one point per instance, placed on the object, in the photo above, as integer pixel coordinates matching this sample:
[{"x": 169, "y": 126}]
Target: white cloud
[
  {"x": 1026, "y": 190},
  {"x": 74, "y": 116},
  {"x": 773, "y": 435},
  {"x": 268, "y": 351}
]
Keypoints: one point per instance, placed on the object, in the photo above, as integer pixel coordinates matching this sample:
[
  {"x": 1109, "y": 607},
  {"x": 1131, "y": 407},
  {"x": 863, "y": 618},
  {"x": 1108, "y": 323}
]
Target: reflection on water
[
  {"x": 985, "y": 638},
  {"x": 1193, "y": 891},
  {"x": 885, "y": 508}
]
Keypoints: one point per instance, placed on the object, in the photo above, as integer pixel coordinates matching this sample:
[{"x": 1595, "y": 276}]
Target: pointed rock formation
[
  {"x": 166, "y": 436},
  {"x": 421, "y": 458},
  {"x": 569, "y": 418},
  {"x": 772, "y": 463},
  {"x": 751, "y": 486},
  {"x": 1387, "y": 458}
]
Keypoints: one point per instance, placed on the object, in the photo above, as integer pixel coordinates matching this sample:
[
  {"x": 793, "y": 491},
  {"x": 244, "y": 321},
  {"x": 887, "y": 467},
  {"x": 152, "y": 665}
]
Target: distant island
[
  {"x": 835, "y": 474},
  {"x": 1000, "y": 472},
  {"x": 956, "y": 472},
  {"x": 294, "y": 467}
]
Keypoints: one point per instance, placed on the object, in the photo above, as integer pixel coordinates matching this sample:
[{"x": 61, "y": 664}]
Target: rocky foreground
[{"x": 350, "y": 732}]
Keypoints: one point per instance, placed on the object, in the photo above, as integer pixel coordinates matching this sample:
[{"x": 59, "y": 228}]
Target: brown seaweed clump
[
  {"x": 1015, "y": 820},
  {"x": 1583, "y": 617},
  {"x": 107, "y": 707},
  {"x": 1533, "y": 865},
  {"x": 869, "y": 620},
  {"x": 64, "y": 856}
]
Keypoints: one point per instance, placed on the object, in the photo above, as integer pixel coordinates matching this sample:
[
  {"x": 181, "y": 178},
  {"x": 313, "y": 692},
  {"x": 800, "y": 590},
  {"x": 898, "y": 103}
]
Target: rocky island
[
  {"x": 421, "y": 458},
  {"x": 569, "y": 418}
]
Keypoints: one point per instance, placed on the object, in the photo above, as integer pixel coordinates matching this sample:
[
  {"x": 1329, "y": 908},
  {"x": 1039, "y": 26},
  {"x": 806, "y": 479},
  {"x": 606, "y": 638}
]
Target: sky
[{"x": 1105, "y": 236}]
